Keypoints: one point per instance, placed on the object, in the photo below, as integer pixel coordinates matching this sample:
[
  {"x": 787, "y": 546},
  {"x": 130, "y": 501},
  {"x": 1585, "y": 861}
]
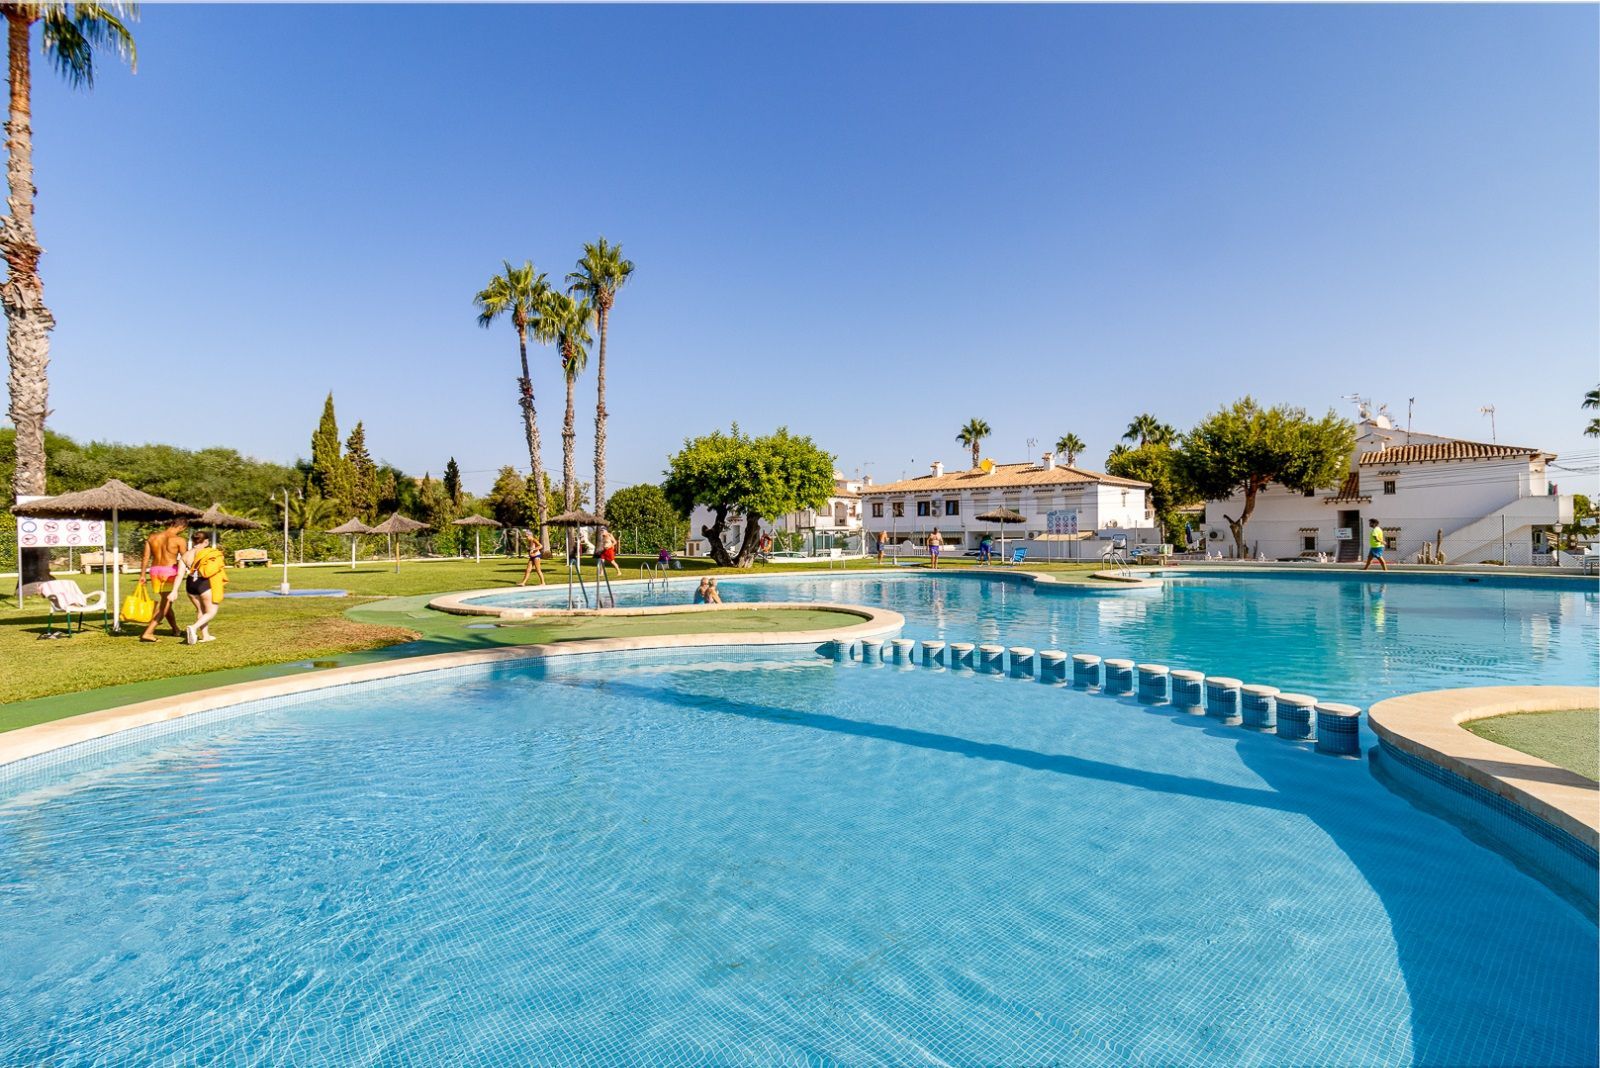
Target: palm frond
[{"x": 72, "y": 33}]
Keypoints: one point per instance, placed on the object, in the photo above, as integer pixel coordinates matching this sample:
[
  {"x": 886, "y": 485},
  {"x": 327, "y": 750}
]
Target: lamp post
[{"x": 283, "y": 587}]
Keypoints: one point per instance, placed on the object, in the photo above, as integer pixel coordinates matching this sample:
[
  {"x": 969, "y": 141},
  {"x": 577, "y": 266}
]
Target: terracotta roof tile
[
  {"x": 1004, "y": 476},
  {"x": 1445, "y": 450}
]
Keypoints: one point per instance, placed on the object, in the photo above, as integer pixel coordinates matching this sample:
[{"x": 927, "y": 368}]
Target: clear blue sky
[{"x": 867, "y": 223}]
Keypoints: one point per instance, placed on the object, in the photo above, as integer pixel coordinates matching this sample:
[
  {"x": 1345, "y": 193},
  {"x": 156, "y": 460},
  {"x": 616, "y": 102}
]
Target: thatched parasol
[
  {"x": 477, "y": 523},
  {"x": 398, "y": 524},
  {"x": 115, "y": 501},
  {"x": 352, "y": 528},
  {"x": 215, "y": 518},
  {"x": 1002, "y": 516},
  {"x": 579, "y": 518}
]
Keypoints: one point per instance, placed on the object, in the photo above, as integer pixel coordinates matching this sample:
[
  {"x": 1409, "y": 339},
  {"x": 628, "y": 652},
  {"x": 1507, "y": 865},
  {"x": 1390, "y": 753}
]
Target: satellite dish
[{"x": 987, "y": 465}]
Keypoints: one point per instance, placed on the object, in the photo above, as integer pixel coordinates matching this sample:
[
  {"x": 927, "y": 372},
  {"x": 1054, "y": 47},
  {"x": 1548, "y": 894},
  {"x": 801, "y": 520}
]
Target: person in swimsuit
[
  {"x": 535, "y": 558},
  {"x": 700, "y": 596},
  {"x": 163, "y": 551},
  {"x": 712, "y": 596},
  {"x": 935, "y": 543},
  {"x": 883, "y": 540},
  {"x": 198, "y": 587},
  {"x": 608, "y": 551}
]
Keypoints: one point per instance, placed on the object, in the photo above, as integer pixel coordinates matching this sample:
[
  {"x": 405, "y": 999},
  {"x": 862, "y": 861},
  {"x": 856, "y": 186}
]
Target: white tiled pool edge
[
  {"x": 27, "y": 742},
  {"x": 1429, "y": 726}
]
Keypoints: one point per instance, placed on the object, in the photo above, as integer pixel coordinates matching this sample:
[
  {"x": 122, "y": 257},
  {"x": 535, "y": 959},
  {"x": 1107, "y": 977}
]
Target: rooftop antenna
[
  {"x": 1411, "y": 404},
  {"x": 1363, "y": 405},
  {"x": 1033, "y": 443},
  {"x": 1488, "y": 409}
]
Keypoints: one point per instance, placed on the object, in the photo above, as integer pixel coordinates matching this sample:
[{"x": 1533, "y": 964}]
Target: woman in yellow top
[
  {"x": 1375, "y": 546},
  {"x": 204, "y": 580}
]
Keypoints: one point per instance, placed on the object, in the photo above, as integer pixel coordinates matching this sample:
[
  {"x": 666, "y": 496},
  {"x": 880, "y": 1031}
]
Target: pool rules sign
[{"x": 60, "y": 533}]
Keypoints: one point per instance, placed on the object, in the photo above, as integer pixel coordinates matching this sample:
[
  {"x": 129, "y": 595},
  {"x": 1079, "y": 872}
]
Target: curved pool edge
[
  {"x": 27, "y": 743},
  {"x": 1428, "y": 726}
]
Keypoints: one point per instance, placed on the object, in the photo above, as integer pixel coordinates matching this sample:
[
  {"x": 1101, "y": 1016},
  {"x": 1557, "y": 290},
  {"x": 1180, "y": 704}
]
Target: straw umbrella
[
  {"x": 398, "y": 524},
  {"x": 1002, "y": 516},
  {"x": 352, "y": 528},
  {"x": 216, "y": 519},
  {"x": 572, "y": 520},
  {"x": 115, "y": 501},
  {"x": 477, "y": 523}
]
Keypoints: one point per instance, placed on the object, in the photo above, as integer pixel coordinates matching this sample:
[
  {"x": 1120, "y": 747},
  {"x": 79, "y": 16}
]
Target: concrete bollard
[
  {"x": 837, "y": 650},
  {"x": 1119, "y": 676},
  {"x": 871, "y": 650},
  {"x": 1258, "y": 707},
  {"x": 1085, "y": 670},
  {"x": 991, "y": 658},
  {"x": 1338, "y": 730},
  {"x": 960, "y": 655},
  {"x": 1021, "y": 662},
  {"x": 1153, "y": 683},
  {"x": 1189, "y": 691},
  {"x": 1222, "y": 699},
  {"x": 1297, "y": 717},
  {"x": 900, "y": 650},
  {"x": 932, "y": 654},
  {"x": 1052, "y": 666}
]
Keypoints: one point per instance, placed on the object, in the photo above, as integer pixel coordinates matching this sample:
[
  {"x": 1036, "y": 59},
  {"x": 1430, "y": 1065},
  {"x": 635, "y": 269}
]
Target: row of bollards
[{"x": 1333, "y": 728}]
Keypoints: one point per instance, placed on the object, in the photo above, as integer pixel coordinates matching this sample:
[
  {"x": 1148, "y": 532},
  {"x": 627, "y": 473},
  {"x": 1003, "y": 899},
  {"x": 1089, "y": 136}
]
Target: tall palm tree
[
  {"x": 71, "y": 33},
  {"x": 1072, "y": 445},
  {"x": 972, "y": 436},
  {"x": 565, "y": 321},
  {"x": 1591, "y": 400},
  {"x": 1148, "y": 430},
  {"x": 601, "y": 272},
  {"x": 520, "y": 292}
]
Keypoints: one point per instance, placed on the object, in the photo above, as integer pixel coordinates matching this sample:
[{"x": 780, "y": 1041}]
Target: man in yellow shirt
[{"x": 1375, "y": 546}]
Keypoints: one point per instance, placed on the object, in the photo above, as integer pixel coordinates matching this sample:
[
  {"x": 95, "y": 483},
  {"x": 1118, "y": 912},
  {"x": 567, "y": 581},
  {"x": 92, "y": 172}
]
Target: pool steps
[{"x": 1333, "y": 729}]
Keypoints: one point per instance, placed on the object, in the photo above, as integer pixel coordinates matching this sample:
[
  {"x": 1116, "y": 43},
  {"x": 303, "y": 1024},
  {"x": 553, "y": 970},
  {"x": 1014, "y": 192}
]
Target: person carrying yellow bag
[
  {"x": 139, "y": 606},
  {"x": 204, "y": 582}
]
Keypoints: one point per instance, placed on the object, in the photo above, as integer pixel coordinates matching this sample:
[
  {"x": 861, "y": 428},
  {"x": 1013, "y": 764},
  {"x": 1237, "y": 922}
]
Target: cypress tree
[
  {"x": 328, "y": 475},
  {"x": 363, "y": 474},
  {"x": 452, "y": 482}
]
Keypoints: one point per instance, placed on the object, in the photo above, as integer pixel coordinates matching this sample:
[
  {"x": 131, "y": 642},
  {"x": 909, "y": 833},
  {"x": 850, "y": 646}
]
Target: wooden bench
[
  {"x": 91, "y": 562},
  {"x": 247, "y": 557}
]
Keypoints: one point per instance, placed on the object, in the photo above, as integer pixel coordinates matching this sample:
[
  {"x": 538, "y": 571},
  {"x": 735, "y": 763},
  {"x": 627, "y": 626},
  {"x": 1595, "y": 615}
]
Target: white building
[
  {"x": 1485, "y": 499},
  {"x": 834, "y": 524},
  {"x": 1087, "y": 502}
]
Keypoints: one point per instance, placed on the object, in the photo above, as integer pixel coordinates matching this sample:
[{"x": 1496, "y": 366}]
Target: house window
[
  {"x": 1308, "y": 542},
  {"x": 1124, "y": 498},
  {"x": 877, "y": 509},
  {"x": 1390, "y": 487},
  {"x": 1311, "y": 491},
  {"x": 952, "y": 507},
  {"x": 899, "y": 509},
  {"x": 1391, "y": 539},
  {"x": 924, "y": 508}
]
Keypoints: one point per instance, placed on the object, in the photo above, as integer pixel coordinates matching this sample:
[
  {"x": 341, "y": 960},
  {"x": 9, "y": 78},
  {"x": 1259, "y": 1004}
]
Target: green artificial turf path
[{"x": 1568, "y": 739}]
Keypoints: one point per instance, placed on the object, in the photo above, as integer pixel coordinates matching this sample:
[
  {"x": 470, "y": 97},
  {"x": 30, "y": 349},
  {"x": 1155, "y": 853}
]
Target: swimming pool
[{"x": 729, "y": 857}]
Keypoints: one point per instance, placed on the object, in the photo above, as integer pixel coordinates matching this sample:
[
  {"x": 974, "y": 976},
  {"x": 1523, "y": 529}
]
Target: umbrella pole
[
  {"x": 116, "y": 576},
  {"x": 477, "y": 546}
]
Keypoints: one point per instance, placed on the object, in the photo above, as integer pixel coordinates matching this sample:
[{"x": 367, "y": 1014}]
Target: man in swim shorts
[
  {"x": 608, "y": 551},
  {"x": 935, "y": 543},
  {"x": 159, "y": 566},
  {"x": 1375, "y": 546}
]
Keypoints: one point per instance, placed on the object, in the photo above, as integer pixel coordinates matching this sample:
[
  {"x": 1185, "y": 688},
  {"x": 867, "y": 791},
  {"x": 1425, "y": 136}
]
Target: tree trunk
[
  {"x": 977, "y": 447},
  {"x": 713, "y": 535},
  {"x": 569, "y": 435},
  {"x": 530, "y": 426},
  {"x": 604, "y": 315},
  {"x": 752, "y": 540},
  {"x": 28, "y": 321},
  {"x": 1236, "y": 526}
]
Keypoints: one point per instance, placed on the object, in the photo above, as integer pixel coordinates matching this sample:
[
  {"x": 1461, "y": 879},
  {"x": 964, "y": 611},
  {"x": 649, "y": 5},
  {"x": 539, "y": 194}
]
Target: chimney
[
  {"x": 866, "y": 480},
  {"x": 938, "y": 468},
  {"x": 1049, "y": 461}
]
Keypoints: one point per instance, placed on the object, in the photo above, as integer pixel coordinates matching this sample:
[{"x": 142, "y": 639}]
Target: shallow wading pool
[{"x": 717, "y": 857}]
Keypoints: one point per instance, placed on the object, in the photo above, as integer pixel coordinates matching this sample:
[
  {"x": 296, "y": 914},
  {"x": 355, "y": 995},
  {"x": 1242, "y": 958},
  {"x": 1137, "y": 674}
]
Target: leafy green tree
[
  {"x": 1148, "y": 430},
  {"x": 565, "y": 321},
  {"x": 1591, "y": 400},
  {"x": 363, "y": 474},
  {"x": 1244, "y": 448},
  {"x": 70, "y": 35},
  {"x": 517, "y": 293},
  {"x": 735, "y": 475},
  {"x": 511, "y": 499},
  {"x": 600, "y": 273},
  {"x": 1155, "y": 464},
  {"x": 1070, "y": 445},
  {"x": 329, "y": 478},
  {"x": 644, "y": 521},
  {"x": 972, "y": 436},
  {"x": 452, "y": 482}
]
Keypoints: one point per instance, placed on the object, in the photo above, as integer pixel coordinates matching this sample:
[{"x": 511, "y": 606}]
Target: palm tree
[
  {"x": 519, "y": 292},
  {"x": 71, "y": 34},
  {"x": 972, "y": 436},
  {"x": 601, "y": 272},
  {"x": 565, "y": 321},
  {"x": 1116, "y": 451},
  {"x": 1148, "y": 430},
  {"x": 1591, "y": 400},
  {"x": 312, "y": 512},
  {"x": 1072, "y": 445}
]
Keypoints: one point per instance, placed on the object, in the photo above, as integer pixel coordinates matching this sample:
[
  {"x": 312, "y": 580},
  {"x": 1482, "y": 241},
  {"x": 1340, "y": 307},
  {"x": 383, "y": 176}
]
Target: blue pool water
[{"x": 718, "y": 858}]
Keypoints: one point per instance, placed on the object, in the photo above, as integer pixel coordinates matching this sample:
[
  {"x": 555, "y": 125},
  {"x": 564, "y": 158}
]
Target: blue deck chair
[{"x": 1018, "y": 554}]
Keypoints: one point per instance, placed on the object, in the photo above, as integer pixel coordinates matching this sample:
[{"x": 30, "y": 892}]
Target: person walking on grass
[
  {"x": 883, "y": 541},
  {"x": 163, "y": 552},
  {"x": 203, "y": 579},
  {"x": 608, "y": 552},
  {"x": 1375, "y": 538},
  {"x": 535, "y": 560},
  {"x": 935, "y": 543}
]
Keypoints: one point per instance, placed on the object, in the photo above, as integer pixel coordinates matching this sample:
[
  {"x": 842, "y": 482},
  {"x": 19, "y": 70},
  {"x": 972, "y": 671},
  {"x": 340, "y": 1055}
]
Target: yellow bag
[{"x": 138, "y": 607}]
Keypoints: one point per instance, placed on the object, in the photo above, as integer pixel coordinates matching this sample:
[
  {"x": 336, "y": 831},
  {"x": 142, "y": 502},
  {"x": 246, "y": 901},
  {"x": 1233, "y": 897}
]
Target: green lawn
[{"x": 1568, "y": 739}]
